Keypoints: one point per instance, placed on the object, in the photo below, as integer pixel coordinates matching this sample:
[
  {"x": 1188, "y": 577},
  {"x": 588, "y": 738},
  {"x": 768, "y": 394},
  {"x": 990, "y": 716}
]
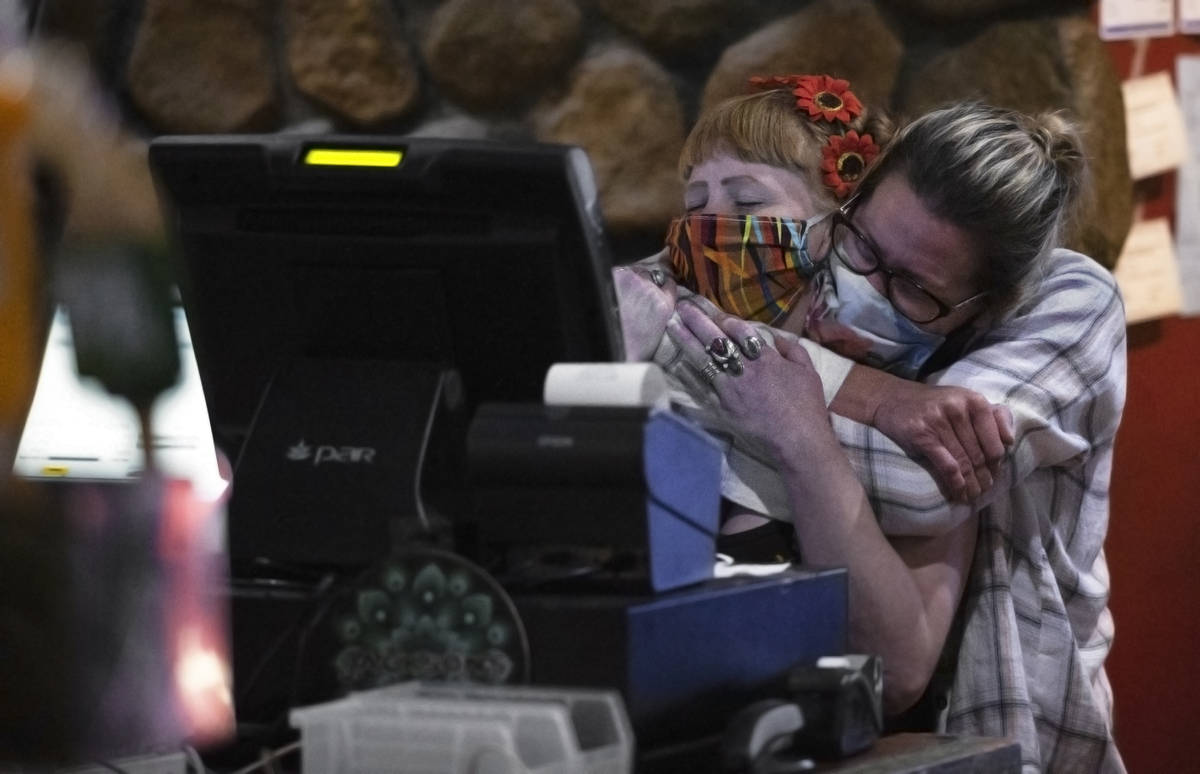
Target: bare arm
[
  {"x": 903, "y": 593},
  {"x": 902, "y": 596}
]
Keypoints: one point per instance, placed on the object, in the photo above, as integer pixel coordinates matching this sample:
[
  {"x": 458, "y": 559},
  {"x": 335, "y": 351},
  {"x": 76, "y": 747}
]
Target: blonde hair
[
  {"x": 1011, "y": 181},
  {"x": 765, "y": 128}
]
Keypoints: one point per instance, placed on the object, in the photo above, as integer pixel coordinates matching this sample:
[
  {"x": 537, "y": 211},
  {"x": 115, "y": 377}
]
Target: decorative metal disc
[{"x": 427, "y": 614}]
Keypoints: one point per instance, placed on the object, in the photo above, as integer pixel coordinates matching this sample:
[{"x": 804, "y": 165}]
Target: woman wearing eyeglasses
[
  {"x": 945, "y": 260},
  {"x": 909, "y": 301}
]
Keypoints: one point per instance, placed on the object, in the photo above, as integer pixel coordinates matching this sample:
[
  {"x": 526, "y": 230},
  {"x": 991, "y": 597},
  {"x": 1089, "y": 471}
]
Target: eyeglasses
[{"x": 859, "y": 255}]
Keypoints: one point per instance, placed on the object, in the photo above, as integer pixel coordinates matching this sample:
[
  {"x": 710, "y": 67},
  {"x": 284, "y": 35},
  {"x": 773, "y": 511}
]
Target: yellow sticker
[{"x": 352, "y": 157}]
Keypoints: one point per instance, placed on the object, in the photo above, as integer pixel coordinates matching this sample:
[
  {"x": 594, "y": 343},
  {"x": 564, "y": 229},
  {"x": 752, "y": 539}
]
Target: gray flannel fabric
[{"x": 1036, "y": 622}]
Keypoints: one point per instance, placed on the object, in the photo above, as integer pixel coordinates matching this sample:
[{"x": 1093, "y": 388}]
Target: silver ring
[
  {"x": 734, "y": 366},
  {"x": 658, "y": 277},
  {"x": 753, "y": 347},
  {"x": 720, "y": 350},
  {"x": 710, "y": 371}
]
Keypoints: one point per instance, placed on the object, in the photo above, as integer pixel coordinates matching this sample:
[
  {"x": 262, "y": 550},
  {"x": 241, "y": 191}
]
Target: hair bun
[{"x": 1059, "y": 137}]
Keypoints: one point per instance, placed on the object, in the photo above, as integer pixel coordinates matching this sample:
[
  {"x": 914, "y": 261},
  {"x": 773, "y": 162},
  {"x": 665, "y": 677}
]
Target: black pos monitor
[{"x": 342, "y": 291}]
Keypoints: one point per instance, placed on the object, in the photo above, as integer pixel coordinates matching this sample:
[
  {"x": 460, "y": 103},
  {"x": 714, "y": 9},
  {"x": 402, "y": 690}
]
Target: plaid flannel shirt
[
  {"x": 1035, "y": 622},
  {"x": 1035, "y": 618}
]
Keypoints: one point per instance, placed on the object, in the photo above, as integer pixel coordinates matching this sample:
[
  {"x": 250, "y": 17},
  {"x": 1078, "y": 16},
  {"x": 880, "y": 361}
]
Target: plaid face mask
[{"x": 752, "y": 266}]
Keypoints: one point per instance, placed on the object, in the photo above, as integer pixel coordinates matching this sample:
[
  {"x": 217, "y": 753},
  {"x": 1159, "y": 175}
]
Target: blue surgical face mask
[{"x": 882, "y": 337}]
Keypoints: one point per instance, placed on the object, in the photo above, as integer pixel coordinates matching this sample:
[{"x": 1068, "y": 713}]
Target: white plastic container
[{"x": 467, "y": 729}]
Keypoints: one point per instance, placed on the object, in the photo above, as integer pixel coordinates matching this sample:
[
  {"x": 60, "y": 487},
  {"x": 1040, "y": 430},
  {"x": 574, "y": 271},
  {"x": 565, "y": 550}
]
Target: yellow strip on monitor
[{"x": 346, "y": 157}]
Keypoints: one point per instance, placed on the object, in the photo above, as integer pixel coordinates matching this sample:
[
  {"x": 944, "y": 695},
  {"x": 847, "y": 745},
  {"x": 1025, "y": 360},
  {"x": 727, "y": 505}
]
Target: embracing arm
[
  {"x": 903, "y": 595},
  {"x": 903, "y": 592},
  {"x": 1058, "y": 365},
  {"x": 960, "y": 434},
  {"x": 1051, "y": 363}
]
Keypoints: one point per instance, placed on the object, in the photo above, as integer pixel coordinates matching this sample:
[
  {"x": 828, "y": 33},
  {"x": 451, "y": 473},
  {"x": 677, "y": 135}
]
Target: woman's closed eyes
[{"x": 737, "y": 195}]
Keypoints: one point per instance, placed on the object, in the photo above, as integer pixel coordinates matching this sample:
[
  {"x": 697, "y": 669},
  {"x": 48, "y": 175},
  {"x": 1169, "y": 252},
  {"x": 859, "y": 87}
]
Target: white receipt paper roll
[{"x": 605, "y": 384}]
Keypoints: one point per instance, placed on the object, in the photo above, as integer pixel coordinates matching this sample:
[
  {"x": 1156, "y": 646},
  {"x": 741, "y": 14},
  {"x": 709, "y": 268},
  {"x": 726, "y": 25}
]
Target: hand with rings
[
  {"x": 770, "y": 393},
  {"x": 722, "y": 355}
]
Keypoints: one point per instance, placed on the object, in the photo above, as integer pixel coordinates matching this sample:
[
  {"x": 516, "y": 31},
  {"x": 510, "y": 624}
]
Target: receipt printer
[{"x": 601, "y": 497}]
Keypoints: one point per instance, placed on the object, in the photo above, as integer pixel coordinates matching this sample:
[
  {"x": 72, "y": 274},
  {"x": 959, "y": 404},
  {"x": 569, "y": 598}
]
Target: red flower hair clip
[
  {"x": 845, "y": 156},
  {"x": 844, "y": 160},
  {"x": 820, "y": 97},
  {"x": 823, "y": 96}
]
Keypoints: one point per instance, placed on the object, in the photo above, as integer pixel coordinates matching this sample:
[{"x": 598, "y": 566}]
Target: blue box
[{"x": 685, "y": 661}]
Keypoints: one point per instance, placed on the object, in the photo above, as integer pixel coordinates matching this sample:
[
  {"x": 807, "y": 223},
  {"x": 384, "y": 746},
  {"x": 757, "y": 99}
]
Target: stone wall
[{"x": 622, "y": 78}]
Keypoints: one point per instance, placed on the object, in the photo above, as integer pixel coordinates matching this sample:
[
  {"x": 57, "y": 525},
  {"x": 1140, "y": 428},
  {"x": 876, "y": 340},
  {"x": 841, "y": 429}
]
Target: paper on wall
[
  {"x": 1154, "y": 133},
  {"x": 1187, "y": 186},
  {"x": 1123, "y": 19},
  {"x": 1146, "y": 272},
  {"x": 1189, "y": 17}
]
